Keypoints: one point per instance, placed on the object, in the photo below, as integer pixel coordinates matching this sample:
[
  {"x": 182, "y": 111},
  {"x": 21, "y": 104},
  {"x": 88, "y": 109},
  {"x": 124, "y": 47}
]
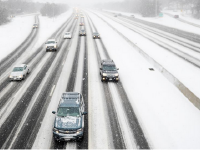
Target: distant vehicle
[
  {"x": 76, "y": 17},
  {"x": 67, "y": 35},
  {"x": 176, "y": 16},
  {"x": 81, "y": 24},
  {"x": 51, "y": 45},
  {"x": 132, "y": 16},
  {"x": 96, "y": 35},
  {"x": 82, "y": 33},
  {"x": 19, "y": 72},
  {"x": 108, "y": 71},
  {"x": 35, "y": 26},
  {"x": 69, "y": 121}
]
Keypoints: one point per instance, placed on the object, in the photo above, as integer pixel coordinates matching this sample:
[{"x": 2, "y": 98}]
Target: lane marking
[{"x": 52, "y": 90}]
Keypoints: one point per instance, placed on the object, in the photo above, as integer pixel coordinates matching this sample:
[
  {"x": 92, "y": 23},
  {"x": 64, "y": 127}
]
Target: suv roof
[
  {"x": 20, "y": 65},
  {"x": 70, "y": 99},
  {"x": 51, "y": 40},
  {"x": 107, "y": 61}
]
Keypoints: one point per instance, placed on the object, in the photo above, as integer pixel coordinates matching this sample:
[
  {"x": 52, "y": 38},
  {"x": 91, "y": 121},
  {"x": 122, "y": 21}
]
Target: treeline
[
  {"x": 187, "y": 6},
  {"x": 153, "y": 7},
  {"x": 51, "y": 10},
  {"x": 10, "y": 8}
]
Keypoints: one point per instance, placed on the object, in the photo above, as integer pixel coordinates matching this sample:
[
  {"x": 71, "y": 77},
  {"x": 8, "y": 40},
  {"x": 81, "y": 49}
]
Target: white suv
[
  {"x": 51, "y": 45},
  {"x": 67, "y": 35}
]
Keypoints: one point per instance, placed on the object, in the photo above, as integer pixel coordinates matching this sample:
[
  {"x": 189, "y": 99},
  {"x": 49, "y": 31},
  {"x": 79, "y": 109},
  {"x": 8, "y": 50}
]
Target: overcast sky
[{"x": 77, "y": 2}]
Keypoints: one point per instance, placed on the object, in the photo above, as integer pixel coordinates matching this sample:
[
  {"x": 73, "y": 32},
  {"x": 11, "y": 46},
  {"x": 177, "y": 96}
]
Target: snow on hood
[
  {"x": 67, "y": 122},
  {"x": 50, "y": 44},
  {"x": 16, "y": 73}
]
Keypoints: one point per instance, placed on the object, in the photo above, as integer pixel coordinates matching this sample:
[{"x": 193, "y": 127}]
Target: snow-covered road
[{"x": 143, "y": 110}]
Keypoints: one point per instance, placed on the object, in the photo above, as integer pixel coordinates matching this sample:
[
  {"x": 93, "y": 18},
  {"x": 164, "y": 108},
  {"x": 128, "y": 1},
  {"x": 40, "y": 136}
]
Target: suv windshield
[
  {"x": 16, "y": 69},
  {"x": 68, "y": 111},
  {"x": 109, "y": 67},
  {"x": 50, "y": 42}
]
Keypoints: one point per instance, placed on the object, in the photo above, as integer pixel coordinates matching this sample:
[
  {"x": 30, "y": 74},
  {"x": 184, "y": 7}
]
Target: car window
[
  {"x": 69, "y": 111},
  {"x": 16, "y": 69}
]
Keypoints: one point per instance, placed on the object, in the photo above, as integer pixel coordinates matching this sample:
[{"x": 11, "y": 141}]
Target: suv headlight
[
  {"x": 104, "y": 74},
  {"x": 55, "y": 130},
  {"x": 79, "y": 130},
  {"x": 116, "y": 74}
]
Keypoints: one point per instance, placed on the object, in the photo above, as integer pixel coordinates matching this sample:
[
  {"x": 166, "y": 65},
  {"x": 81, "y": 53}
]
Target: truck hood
[{"x": 68, "y": 122}]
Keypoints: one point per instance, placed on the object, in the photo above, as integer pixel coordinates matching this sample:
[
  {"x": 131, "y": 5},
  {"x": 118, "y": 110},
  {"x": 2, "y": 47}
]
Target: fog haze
[{"x": 78, "y": 2}]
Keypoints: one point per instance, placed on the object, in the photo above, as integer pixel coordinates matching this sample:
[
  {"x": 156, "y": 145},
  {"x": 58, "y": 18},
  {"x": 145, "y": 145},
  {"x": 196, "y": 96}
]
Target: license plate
[{"x": 110, "y": 79}]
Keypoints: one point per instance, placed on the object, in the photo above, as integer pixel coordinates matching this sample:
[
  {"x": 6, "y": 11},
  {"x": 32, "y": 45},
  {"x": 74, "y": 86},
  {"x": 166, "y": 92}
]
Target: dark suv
[
  {"x": 69, "y": 121},
  {"x": 108, "y": 71}
]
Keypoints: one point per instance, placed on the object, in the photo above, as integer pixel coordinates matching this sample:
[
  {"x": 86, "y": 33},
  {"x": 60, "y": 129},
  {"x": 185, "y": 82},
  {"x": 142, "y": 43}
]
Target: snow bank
[{"x": 14, "y": 33}]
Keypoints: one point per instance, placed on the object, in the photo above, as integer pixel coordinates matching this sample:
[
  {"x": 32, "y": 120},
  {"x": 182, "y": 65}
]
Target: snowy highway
[{"x": 155, "y": 104}]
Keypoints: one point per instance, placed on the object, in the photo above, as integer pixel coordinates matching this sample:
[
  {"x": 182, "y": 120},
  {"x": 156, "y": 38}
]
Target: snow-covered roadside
[
  {"x": 183, "y": 15},
  {"x": 167, "y": 117},
  {"x": 14, "y": 33},
  {"x": 167, "y": 21}
]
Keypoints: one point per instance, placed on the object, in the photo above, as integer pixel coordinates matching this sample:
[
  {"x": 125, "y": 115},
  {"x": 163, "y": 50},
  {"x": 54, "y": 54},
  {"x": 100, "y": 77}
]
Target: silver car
[{"x": 19, "y": 72}]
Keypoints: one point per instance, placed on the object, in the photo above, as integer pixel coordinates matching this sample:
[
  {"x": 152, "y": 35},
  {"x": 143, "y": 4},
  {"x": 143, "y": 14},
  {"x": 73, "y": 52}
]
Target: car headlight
[
  {"x": 11, "y": 76},
  {"x": 98, "y": 36},
  {"x": 117, "y": 74},
  {"x": 94, "y": 36},
  {"x": 20, "y": 76},
  {"x": 104, "y": 74},
  {"x": 79, "y": 130}
]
